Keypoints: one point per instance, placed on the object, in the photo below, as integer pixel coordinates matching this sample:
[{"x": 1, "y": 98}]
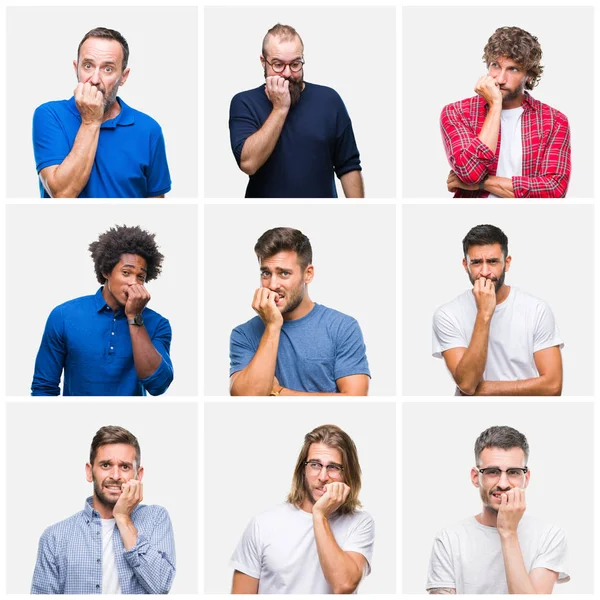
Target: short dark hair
[
  {"x": 113, "y": 434},
  {"x": 485, "y": 235},
  {"x": 283, "y": 32},
  {"x": 518, "y": 45},
  {"x": 282, "y": 239},
  {"x": 108, "y": 34},
  {"x": 120, "y": 239},
  {"x": 501, "y": 436}
]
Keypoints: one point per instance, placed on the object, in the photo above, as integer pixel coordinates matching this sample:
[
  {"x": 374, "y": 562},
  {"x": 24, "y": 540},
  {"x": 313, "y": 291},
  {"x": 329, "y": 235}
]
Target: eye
[
  {"x": 86, "y": 65},
  {"x": 296, "y": 64},
  {"x": 514, "y": 472},
  {"x": 277, "y": 65},
  {"x": 493, "y": 472},
  {"x": 109, "y": 69},
  {"x": 265, "y": 274},
  {"x": 334, "y": 469},
  {"x": 286, "y": 273},
  {"x": 141, "y": 278},
  {"x": 125, "y": 467}
]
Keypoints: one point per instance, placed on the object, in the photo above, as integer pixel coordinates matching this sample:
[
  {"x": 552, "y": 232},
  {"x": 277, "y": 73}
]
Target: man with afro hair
[
  {"x": 109, "y": 344},
  {"x": 503, "y": 143}
]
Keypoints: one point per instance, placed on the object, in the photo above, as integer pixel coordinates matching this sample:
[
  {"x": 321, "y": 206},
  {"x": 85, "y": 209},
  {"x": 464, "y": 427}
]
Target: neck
[
  {"x": 109, "y": 298},
  {"x": 301, "y": 310},
  {"x": 307, "y": 505},
  {"x": 105, "y": 512},
  {"x": 112, "y": 112},
  {"x": 502, "y": 294},
  {"x": 487, "y": 517},
  {"x": 514, "y": 102}
]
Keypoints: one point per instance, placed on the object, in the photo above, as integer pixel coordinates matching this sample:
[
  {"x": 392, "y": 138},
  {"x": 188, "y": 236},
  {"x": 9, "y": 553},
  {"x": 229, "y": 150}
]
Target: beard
[
  {"x": 296, "y": 86},
  {"x": 497, "y": 281},
  {"x": 485, "y": 497},
  {"x": 101, "y": 496},
  {"x": 293, "y": 299},
  {"x": 512, "y": 94},
  {"x": 109, "y": 99}
]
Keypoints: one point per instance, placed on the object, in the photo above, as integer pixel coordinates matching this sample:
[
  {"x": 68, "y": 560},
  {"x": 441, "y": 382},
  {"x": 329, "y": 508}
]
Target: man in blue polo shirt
[
  {"x": 291, "y": 136},
  {"x": 94, "y": 145},
  {"x": 109, "y": 344},
  {"x": 294, "y": 347}
]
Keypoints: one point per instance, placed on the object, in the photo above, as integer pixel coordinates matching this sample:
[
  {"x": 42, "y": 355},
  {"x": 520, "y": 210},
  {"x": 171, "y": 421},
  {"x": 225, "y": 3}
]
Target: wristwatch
[
  {"x": 137, "y": 320},
  {"x": 482, "y": 182}
]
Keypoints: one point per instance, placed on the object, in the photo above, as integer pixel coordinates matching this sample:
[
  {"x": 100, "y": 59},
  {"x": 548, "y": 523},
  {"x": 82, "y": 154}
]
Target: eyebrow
[
  {"x": 278, "y": 269},
  {"x": 120, "y": 462},
  {"x": 133, "y": 267},
  {"x": 320, "y": 461},
  {"x": 106, "y": 62}
]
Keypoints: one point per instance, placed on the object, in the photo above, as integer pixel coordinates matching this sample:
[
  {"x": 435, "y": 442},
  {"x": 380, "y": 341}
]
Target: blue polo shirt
[
  {"x": 92, "y": 344},
  {"x": 130, "y": 162}
]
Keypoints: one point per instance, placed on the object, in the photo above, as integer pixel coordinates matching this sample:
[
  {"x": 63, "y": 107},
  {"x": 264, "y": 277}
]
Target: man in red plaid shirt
[{"x": 534, "y": 158}]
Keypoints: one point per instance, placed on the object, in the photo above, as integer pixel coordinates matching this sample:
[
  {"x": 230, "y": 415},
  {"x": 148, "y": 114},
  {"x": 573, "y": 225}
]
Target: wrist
[{"x": 508, "y": 535}]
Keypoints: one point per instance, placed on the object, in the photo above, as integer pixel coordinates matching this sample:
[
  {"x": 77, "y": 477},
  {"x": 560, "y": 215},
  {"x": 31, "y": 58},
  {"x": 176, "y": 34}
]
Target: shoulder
[
  {"x": 455, "y": 306},
  {"x": 547, "y": 111},
  {"x": 152, "y": 315},
  {"x": 524, "y": 298},
  {"x": 468, "y": 106},
  {"x": 141, "y": 119},
  {"x": 333, "y": 316},
  {"x": 361, "y": 518},
  {"x": 458, "y": 529},
  {"x": 323, "y": 91},
  {"x": 54, "y": 107},
  {"x": 254, "y": 326},
  {"x": 537, "y": 527},
  {"x": 152, "y": 512},
  {"x": 75, "y": 304},
  {"x": 249, "y": 96},
  {"x": 63, "y": 530}
]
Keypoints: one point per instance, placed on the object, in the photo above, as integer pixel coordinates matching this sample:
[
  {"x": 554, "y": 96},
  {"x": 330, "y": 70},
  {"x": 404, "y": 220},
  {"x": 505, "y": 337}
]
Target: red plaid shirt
[{"x": 546, "y": 148}]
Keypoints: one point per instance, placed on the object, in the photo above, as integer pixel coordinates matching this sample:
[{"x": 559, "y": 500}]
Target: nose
[
  {"x": 272, "y": 283},
  {"x": 503, "y": 481},
  {"x": 486, "y": 271},
  {"x": 287, "y": 71},
  {"x": 115, "y": 473},
  {"x": 324, "y": 474},
  {"x": 95, "y": 78},
  {"x": 501, "y": 77}
]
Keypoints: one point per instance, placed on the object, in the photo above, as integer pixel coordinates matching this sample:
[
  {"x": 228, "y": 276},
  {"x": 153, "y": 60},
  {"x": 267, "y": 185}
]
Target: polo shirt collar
[
  {"x": 100, "y": 303},
  {"x": 124, "y": 118}
]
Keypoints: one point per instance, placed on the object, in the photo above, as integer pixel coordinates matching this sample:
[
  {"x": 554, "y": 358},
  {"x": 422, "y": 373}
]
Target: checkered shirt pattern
[
  {"x": 546, "y": 142},
  {"x": 69, "y": 557}
]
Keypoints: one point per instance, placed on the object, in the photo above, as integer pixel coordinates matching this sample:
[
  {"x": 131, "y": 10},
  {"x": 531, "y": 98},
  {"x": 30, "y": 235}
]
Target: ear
[
  {"x": 75, "y": 66},
  {"x": 507, "y": 263},
  {"x": 475, "y": 477},
  {"x": 309, "y": 273},
  {"x": 527, "y": 476},
  {"x": 105, "y": 275},
  {"x": 262, "y": 60},
  {"x": 465, "y": 265},
  {"x": 140, "y": 474},
  {"x": 124, "y": 76},
  {"x": 88, "y": 472}
]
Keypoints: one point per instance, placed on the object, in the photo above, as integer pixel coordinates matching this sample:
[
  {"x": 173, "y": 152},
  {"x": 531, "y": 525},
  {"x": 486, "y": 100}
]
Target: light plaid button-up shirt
[
  {"x": 69, "y": 557},
  {"x": 546, "y": 145}
]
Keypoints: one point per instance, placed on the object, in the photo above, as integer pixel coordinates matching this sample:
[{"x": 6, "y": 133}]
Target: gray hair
[{"x": 501, "y": 436}]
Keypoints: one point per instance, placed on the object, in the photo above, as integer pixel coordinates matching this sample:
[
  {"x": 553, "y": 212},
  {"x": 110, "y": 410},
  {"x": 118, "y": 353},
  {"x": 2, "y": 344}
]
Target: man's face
[
  {"x": 488, "y": 262},
  {"x": 285, "y": 52},
  {"x": 100, "y": 63},
  {"x": 113, "y": 466},
  {"x": 510, "y": 77},
  {"x": 282, "y": 273},
  {"x": 317, "y": 479},
  {"x": 490, "y": 488},
  {"x": 130, "y": 269}
]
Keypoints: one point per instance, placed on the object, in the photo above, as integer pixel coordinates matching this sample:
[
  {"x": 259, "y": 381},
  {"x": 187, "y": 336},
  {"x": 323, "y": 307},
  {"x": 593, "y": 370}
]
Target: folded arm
[{"x": 352, "y": 385}]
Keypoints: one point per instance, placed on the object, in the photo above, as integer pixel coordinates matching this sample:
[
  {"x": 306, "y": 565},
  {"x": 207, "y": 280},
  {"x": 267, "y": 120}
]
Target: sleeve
[
  {"x": 546, "y": 332},
  {"x": 247, "y": 555},
  {"x": 552, "y": 554},
  {"x": 346, "y": 157},
  {"x": 362, "y": 539},
  {"x": 241, "y": 351},
  {"x": 555, "y": 166},
  {"x": 468, "y": 156},
  {"x": 159, "y": 178},
  {"x": 446, "y": 334},
  {"x": 351, "y": 352},
  {"x": 242, "y": 124},
  {"x": 50, "y": 144},
  {"x": 45, "y": 575},
  {"x": 50, "y": 360},
  {"x": 161, "y": 379},
  {"x": 440, "y": 573},
  {"x": 153, "y": 556}
]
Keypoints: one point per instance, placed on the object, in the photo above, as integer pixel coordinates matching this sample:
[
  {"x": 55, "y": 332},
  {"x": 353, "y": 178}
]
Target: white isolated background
[
  {"x": 48, "y": 263},
  {"x": 351, "y": 49},
  {"x": 442, "y": 49},
  {"x": 163, "y": 56},
  {"x": 552, "y": 249},
  {"x": 437, "y": 447},
  {"x": 249, "y": 463},
  {"x": 59, "y": 452},
  {"x": 354, "y": 259}
]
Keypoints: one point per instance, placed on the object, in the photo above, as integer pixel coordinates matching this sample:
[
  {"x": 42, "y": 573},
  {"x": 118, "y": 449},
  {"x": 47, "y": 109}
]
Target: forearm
[
  {"x": 259, "y": 146},
  {"x": 535, "y": 386},
  {"x": 499, "y": 186},
  {"x": 353, "y": 185},
  {"x": 71, "y": 176},
  {"x": 288, "y": 392},
  {"x": 341, "y": 572},
  {"x": 145, "y": 356},
  {"x": 469, "y": 371},
  {"x": 257, "y": 378},
  {"x": 127, "y": 530},
  {"x": 517, "y": 576},
  {"x": 491, "y": 127}
]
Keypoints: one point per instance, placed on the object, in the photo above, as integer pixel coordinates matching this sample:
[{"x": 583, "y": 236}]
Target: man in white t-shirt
[
  {"x": 318, "y": 542},
  {"x": 499, "y": 551},
  {"x": 115, "y": 545},
  {"x": 497, "y": 340}
]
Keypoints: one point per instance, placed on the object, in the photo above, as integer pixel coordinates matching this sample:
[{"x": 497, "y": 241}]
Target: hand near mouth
[
  {"x": 335, "y": 495},
  {"x": 131, "y": 496},
  {"x": 265, "y": 306},
  {"x": 512, "y": 508}
]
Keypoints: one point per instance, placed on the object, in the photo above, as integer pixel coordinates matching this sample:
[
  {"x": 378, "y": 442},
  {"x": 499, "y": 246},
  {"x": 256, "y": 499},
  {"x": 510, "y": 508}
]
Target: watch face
[{"x": 138, "y": 320}]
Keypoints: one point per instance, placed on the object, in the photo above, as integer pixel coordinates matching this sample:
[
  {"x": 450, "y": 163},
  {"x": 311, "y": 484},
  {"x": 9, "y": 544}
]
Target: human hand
[
  {"x": 278, "y": 92},
  {"x": 489, "y": 89},
  {"x": 484, "y": 291},
  {"x": 90, "y": 103},
  {"x": 512, "y": 508},
  {"x": 454, "y": 183},
  {"x": 132, "y": 493},
  {"x": 137, "y": 298},
  {"x": 335, "y": 495},
  {"x": 264, "y": 304}
]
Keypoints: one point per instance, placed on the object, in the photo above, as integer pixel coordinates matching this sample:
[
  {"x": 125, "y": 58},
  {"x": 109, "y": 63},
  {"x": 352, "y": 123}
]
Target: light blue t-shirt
[
  {"x": 314, "y": 351},
  {"x": 130, "y": 161}
]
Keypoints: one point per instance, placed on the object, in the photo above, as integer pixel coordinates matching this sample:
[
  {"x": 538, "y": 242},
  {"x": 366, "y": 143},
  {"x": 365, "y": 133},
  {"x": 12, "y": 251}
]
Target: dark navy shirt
[
  {"x": 92, "y": 344},
  {"x": 130, "y": 161},
  {"x": 316, "y": 140}
]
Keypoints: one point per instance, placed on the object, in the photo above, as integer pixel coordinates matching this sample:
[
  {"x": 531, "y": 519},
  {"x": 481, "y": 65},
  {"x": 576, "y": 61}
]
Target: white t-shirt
[
  {"x": 110, "y": 576},
  {"x": 468, "y": 556},
  {"x": 520, "y": 326},
  {"x": 510, "y": 159},
  {"x": 278, "y": 548}
]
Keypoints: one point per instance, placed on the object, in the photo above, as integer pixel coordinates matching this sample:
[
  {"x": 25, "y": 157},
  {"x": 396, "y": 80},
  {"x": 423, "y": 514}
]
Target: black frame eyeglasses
[
  {"x": 333, "y": 469},
  {"x": 288, "y": 64},
  {"x": 511, "y": 473}
]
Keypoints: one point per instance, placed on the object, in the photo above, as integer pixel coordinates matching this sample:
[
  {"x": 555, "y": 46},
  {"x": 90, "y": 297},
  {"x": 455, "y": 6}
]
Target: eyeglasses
[
  {"x": 333, "y": 470},
  {"x": 279, "y": 66},
  {"x": 514, "y": 474}
]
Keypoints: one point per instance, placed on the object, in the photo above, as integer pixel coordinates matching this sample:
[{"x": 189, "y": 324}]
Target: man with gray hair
[
  {"x": 115, "y": 545},
  {"x": 291, "y": 136},
  {"x": 500, "y": 550}
]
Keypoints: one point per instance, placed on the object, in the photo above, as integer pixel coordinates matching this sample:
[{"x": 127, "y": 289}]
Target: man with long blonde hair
[{"x": 318, "y": 542}]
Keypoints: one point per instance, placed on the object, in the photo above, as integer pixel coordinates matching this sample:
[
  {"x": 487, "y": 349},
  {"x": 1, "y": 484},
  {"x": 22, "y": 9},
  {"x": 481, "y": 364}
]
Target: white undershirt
[
  {"x": 510, "y": 159},
  {"x": 110, "y": 575}
]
